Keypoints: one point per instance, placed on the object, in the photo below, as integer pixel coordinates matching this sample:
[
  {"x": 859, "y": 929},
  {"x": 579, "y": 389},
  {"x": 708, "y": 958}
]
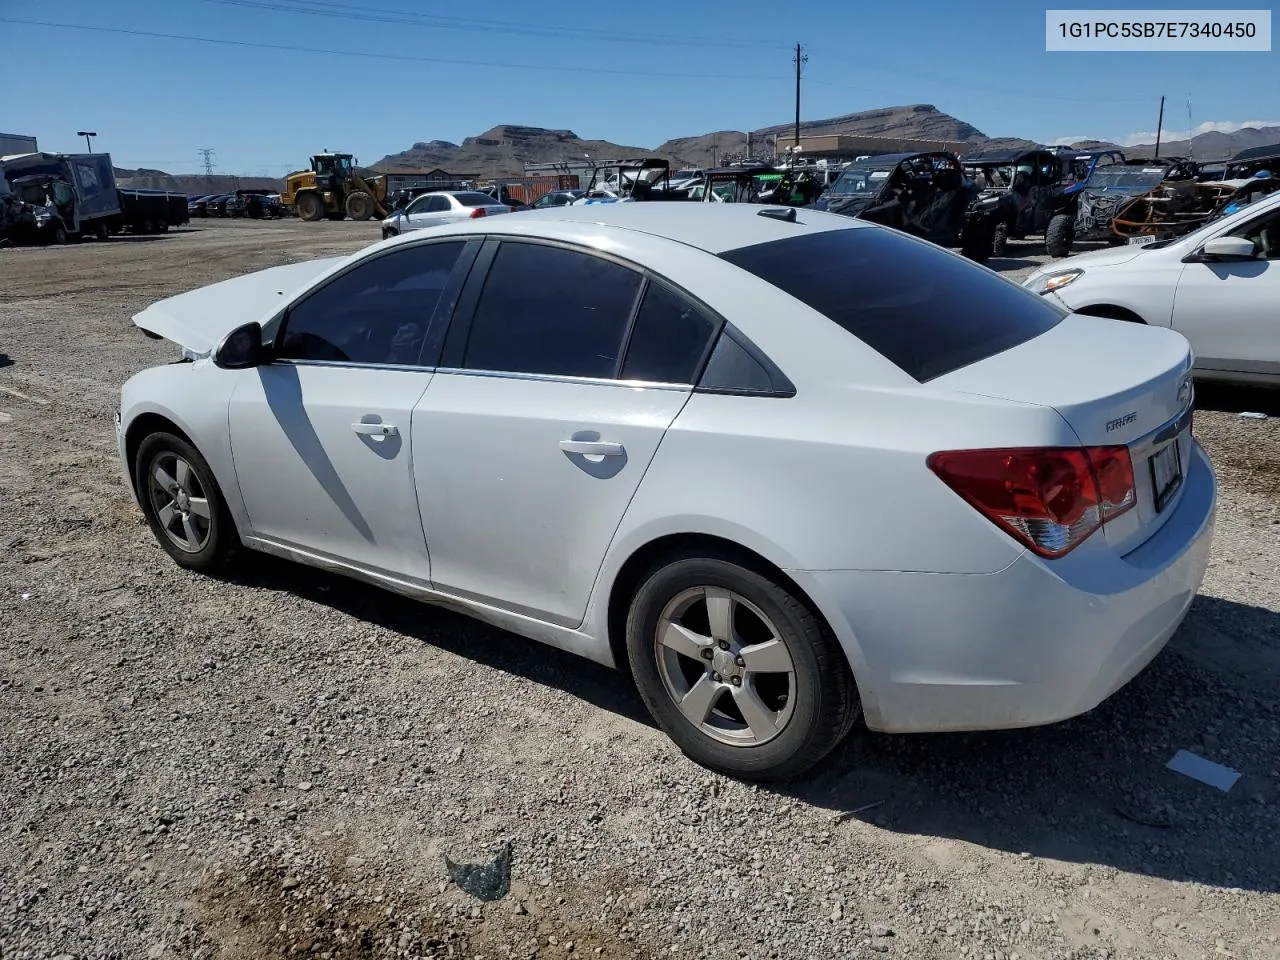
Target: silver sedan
[{"x": 445, "y": 206}]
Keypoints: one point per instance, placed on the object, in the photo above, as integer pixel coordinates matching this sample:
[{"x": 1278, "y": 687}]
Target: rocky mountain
[
  {"x": 192, "y": 184},
  {"x": 504, "y": 150},
  {"x": 1204, "y": 146}
]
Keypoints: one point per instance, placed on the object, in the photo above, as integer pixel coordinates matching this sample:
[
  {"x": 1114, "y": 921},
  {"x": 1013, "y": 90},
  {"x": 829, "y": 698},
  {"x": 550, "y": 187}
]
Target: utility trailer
[{"x": 150, "y": 211}]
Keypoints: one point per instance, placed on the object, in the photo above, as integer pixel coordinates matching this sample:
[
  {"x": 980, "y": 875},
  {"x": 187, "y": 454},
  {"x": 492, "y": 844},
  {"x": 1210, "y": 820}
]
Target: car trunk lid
[{"x": 1134, "y": 391}]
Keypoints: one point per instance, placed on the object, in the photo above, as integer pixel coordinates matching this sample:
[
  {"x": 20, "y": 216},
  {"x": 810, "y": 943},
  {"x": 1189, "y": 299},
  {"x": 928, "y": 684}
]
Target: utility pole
[
  {"x": 1159, "y": 128},
  {"x": 800, "y": 59}
]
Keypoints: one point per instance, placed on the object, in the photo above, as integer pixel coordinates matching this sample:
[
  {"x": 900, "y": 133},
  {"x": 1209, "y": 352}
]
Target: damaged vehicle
[
  {"x": 1017, "y": 193},
  {"x": 74, "y": 195},
  {"x": 1113, "y": 185},
  {"x": 923, "y": 194},
  {"x": 1176, "y": 208}
]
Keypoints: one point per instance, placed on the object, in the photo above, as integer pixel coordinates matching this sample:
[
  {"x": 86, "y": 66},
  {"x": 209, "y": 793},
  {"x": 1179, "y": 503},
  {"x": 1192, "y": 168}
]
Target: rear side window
[
  {"x": 923, "y": 309},
  {"x": 553, "y": 311},
  {"x": 669, "y": 339},
  {"x": 474, "y": 199}
]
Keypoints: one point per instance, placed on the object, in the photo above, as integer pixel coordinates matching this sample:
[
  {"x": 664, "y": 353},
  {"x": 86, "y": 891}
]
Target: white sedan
[
  {"x": 786, "y": 469},
  {"x": 1219, "y": 287},
  {"x": 440, "y": 207}
]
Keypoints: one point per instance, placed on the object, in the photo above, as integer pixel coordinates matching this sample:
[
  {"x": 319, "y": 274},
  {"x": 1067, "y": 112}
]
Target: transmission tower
[{"x": 206, "y": 155}]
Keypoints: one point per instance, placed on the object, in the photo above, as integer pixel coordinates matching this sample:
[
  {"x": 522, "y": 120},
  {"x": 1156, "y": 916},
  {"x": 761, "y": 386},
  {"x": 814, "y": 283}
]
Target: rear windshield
[
  {"x": 925, "y": 310},
  {"x": 475, "y": 199}
]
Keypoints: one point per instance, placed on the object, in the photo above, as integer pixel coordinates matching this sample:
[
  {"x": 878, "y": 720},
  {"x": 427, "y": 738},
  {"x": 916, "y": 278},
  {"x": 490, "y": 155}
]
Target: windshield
[
  {"x": 991, "y": 177},
  {"x": 859, "y": 181},
  {"x": 1131, "y": 179}
]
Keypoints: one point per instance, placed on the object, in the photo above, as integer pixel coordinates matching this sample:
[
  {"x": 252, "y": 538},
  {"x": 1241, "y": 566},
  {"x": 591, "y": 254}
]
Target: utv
[
  {"x": 624, "y": 181},
  {"x": 1111, "y": 187},
  {"x": 925, "y": 194},
  {"x": 1018, "y": 193}
]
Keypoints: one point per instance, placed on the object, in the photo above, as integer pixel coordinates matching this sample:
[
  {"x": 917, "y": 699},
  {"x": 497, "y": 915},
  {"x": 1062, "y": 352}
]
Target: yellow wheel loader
[{"x": 333, "y": 190}]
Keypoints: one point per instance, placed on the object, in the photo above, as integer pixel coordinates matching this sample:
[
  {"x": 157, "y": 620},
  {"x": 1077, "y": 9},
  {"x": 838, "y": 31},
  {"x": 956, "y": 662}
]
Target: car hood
[
  {"x": 1098, "y": 258},
  {"x": 199, "y": 319}
]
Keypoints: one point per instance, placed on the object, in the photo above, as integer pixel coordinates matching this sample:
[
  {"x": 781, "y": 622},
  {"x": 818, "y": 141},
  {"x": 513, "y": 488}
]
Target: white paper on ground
[{"x": 1206, "y": 771}]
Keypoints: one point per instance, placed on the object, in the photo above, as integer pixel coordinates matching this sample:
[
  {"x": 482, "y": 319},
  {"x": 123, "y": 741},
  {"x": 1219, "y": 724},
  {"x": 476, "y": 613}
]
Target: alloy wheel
[
  {"x": 180, "y": 503},
  {"x": 725, "y": 666}
]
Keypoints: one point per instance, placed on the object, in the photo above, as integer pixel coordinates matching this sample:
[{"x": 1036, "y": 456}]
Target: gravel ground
[{"x": 279, "y": 764}]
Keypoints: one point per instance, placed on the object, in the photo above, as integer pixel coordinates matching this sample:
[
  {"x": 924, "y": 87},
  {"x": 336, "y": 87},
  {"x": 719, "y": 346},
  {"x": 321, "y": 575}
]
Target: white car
[
  {"x": 785, "y": 468},
  {"x": 1219, "y": 287},
  {"x": 440, "y": 207}
]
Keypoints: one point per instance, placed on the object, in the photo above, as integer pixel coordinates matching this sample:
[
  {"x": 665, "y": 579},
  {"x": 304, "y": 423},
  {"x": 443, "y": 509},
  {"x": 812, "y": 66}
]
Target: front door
[
  {"x": 428, "y": 211},
  {"x": 539, "y": 431},
  {"x": 1230, "y": 311},
  {"x": 321, "y": 435}
]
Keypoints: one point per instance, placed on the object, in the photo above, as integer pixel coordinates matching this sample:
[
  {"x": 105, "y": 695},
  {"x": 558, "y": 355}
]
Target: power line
[
  {"x": 492, "y": 65},
  {"x": 320, "y": 8}
]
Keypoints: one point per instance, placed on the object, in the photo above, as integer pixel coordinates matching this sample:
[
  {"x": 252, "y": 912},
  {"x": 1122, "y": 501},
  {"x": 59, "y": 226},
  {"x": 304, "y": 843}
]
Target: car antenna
[{"x": 779, "y": 213}]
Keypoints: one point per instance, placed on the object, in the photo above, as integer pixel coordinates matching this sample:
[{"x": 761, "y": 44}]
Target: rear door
[
  {"x": 1230, "y": 311},
  {"x": 560, "y": 375}
]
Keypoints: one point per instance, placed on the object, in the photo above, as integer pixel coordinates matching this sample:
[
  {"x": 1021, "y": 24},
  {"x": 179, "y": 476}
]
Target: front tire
[
  {"x": 310, "y": 207},
  {"x": 1000, "y": 240},
  {"x": 183, "y": 504},
  {"x": 741, "y": 674},
  {"x": 1059, "y": 234},
  {"x": 359, "y": 205}
]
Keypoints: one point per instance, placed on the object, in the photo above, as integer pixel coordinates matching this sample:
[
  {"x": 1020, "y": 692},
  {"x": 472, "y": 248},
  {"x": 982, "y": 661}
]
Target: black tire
[
  {"x": 58, "y": 236},
  {"x": 359, "y": 205},
  {"x": 101, "y": 232},
  {"x": 389, "y": 232},
  {"x": 1000, "y": 240},
  {"x": 162, "y": 226},
  {"x": 146, "y": 227},
  {"x": 219, "y": 541},
  {"x": 310, "y": 207},
  {"x": 1059, "y": 234},
  {"x": 818, "y": 709}
]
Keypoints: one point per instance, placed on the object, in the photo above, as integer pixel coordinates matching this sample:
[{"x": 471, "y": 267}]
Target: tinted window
[
  {"x": 731, "y": 369},
  {"x": 922, "y": 308},
  {"x": 549, "y": 310},
  {"x": 474, "y": 199},
  {"x": 668, "y": 340},
  {"x": 376, "y": 313}
]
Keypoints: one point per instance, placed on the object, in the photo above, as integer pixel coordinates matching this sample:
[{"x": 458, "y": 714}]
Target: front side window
[
  {"x": 548, "y": 310},
  {"x": 1264, "y": 231},
  {"x": 375, "y": 313}
]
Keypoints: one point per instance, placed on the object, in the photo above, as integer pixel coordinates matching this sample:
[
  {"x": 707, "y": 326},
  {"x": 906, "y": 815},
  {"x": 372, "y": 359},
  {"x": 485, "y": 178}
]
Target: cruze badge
[{"x": 1124, "y": 421}]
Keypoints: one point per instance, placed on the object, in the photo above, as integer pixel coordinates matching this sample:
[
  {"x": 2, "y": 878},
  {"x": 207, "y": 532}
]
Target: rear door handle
[
  {"x": 592, "y": 448},
  {"x": 376, "y": 429}
]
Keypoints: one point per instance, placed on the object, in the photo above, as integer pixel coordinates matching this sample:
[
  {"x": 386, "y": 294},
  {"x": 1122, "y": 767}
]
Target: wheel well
[
  {"x": 1111, "y": 312},
  {"x": 627, "y": 582},
  {"x": 141, "y": 428}
]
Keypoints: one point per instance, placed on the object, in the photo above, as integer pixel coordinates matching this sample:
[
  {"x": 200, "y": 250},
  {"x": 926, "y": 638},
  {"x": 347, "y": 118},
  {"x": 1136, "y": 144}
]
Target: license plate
[
  {"x": 1166, "y": 474},
  {"x": 1139, "y": 241}
]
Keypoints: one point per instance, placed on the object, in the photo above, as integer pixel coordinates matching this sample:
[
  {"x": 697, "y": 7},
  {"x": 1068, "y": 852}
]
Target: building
[
  {"x": 847, "y": 147},
  {"x": 420, "y": 181},
  {"x": 14, "y": 143}
]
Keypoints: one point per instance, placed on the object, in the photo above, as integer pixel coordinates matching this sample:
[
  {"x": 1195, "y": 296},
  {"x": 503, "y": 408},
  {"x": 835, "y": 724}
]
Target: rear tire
[
  {"x": 183, "y": 504},
  {"x": 1059, "y": 234},
  {"x": 740, "y": 673},
  {"x": 101, "y": 232},
  {"x": 310, "y": 207}
]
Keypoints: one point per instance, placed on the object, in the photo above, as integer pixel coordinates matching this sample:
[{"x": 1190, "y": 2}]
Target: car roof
[{"x": 715, "y": 228}]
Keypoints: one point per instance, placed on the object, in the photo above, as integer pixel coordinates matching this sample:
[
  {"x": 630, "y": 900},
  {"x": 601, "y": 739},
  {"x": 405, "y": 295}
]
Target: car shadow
[
  {"x": 1095, "y": 789},
  {"x": 445, "y": 629},
  {"x": 1001, "y": 264},
  {"x": 1091, "y": 790},
  {"x": 5, "y": 361},
  {"x": 1233, "y": 398}
]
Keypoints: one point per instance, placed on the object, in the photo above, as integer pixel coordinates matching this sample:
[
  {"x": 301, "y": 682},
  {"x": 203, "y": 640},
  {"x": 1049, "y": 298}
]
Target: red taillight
[
  {"x": 1049, "y": 499},
  {"x": 477, "y": 212}
]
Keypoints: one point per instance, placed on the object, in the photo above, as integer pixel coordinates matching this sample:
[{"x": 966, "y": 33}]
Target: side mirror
[
  {"x": 1229, "y": 248},
  {"x": 241, "y": 348}
]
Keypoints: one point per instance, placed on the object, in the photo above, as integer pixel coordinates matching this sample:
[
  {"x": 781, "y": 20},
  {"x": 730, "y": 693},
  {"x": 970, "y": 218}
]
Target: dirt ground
[{"x": 278, "y": 764}]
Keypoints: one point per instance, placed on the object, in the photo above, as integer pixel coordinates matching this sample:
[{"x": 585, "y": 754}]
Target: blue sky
[{"x": 155, "y": 101}]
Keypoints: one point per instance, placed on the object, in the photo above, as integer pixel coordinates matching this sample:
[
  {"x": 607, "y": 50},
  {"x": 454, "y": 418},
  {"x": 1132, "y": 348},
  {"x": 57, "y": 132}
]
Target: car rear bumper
[{"x": 1035, "y": 643}]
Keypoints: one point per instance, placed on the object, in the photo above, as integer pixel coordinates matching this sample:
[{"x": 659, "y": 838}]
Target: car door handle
[
  {"x": 376, "y": 429},
  {"x": 592, "y": 448}
]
